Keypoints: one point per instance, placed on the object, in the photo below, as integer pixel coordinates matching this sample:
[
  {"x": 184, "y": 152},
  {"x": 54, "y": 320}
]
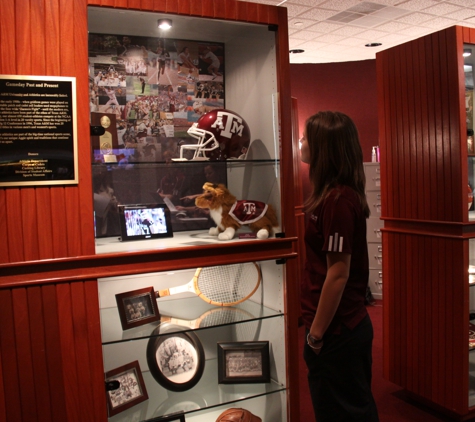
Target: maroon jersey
[
  {"x": 247, "y": 212},
  {"x": 338, "y": 224}
]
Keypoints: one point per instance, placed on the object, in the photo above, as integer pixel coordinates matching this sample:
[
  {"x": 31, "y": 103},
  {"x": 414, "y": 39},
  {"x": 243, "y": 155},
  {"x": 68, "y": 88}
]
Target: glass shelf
[
  {"x": 205, "y": 395},
  {"x": 203, "y": 316}
]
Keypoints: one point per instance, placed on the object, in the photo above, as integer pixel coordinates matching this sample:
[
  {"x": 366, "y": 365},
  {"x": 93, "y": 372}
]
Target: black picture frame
[
  {"x": 243, "y": 362},
  {"x": 131, "y": 391},
  {"x": 137, "y": 307},
  {"x": 176, "y": 360},
  {"x": 144, "y": 221}
]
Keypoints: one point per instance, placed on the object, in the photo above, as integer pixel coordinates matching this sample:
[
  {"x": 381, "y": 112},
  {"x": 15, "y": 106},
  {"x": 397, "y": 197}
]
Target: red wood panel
[
  {"x": 263, "y": 13},
  {"x": 120, "y": 3},
  {"x": 24, "y": 354},
  {"x": 8, "y": 355},
  {"x": 251, "y": 11},
  {"x": 207, "y": 8},
  {"x": 81, "y": 344},
  {"x": 242, "y": 12},
  {"x": 146, "y": 4},
  {"x": 3, "y": 409},
  {"x": 68, "y": 351},
  {"x": 421, "y": 197},
  {"x": 230, "y": 9},
  {"x": 425, "y": 292},
  {"x": 38, "y": 354},
  {"x": 219, "y": 9},
  {"x": 172, "y": 6},
  {"x": 196, "y": 8},
  {"x": 54, "y": 358}
]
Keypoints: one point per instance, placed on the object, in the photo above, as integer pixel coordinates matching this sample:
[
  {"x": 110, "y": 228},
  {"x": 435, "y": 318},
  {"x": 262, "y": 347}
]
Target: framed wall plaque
[{"x": 38, "y": 141}]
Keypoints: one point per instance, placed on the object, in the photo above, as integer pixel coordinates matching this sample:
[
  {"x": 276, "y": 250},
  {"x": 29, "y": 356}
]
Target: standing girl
[{"x": 339, "y": 331}]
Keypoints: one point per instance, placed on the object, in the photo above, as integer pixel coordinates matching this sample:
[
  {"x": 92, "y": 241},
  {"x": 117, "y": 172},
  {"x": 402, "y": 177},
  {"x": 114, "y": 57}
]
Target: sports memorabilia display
[
  {"x": 156, "y": 88},
  {"x": 226, "y": 285},
  {"x": 229, "y": 214},
  {"x": 221, "y": 134}
]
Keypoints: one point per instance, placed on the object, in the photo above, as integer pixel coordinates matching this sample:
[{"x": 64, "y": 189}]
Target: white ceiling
[{"x": 337, "y": 30}]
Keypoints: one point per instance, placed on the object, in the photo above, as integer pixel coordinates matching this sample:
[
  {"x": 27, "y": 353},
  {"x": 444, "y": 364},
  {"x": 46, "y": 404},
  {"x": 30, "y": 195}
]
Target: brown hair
[{"x": 336, "y": 157}]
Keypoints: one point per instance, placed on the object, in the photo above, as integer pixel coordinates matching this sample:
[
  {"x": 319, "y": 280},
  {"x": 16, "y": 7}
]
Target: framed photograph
[
  {"x": 175, "y": 360},
  {"x": 131, "y": 389},
  {"x": 137, "y": 307},
  {"x": 176, "y": 417},
  {"x": 243, "y": 362}
]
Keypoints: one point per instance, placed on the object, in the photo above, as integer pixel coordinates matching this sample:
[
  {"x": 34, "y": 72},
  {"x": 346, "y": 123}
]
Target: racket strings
[{"x": 229, "y": 283}]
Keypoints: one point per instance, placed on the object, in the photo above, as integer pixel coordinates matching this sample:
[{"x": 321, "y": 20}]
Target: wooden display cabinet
[
  {"x": 53, "y": 353},
  {"x": 427, "y": 234}
]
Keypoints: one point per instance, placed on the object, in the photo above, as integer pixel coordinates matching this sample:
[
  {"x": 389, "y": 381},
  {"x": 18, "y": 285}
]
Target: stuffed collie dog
[{"x": 230, "y": 214}]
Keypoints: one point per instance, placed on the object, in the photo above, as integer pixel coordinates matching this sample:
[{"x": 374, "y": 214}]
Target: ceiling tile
[{"x": 417, "y": 4}]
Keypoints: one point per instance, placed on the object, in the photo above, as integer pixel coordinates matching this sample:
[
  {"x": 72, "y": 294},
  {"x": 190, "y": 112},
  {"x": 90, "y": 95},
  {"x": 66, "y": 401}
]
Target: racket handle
[{"x": 162, "y": 293}]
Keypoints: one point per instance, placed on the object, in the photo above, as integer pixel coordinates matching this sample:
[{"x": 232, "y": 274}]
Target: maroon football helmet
[{"x": 222, "y": 134}]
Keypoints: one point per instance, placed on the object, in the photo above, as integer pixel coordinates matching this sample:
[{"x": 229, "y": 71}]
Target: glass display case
[
  {"x": 152, "y": 100},
  {"x": 259, "y": 318}
]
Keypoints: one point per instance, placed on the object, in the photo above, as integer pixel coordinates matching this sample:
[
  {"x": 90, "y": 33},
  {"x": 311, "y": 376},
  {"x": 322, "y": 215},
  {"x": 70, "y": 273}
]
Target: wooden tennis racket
[{"x": 226, "y": 285}]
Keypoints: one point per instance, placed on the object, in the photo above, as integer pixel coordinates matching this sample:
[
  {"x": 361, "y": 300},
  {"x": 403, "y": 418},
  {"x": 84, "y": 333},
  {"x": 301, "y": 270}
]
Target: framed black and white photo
[
  {"x": 175, "y": 360},
  {"x": 243, "y": 362},
  {"x": 131, "y": 388},
  {"x": 137, "y": 307}
]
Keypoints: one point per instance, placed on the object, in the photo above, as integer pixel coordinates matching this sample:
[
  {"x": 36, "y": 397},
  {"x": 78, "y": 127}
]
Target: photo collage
[{"x": 154, "y": 89}]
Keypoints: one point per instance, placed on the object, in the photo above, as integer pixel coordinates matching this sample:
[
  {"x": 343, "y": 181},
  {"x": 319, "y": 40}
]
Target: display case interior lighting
[
  {"x": 164, "y": 23},
  {"x": 467, "y": 52}
]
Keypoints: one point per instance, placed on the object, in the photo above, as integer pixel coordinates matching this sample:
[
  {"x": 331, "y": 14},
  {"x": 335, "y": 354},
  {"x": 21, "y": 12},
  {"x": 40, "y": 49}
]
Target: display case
[
  {"x": 155, "y": 161},
  {"x": 425, "y": 96},
  {"x": 259, "y": 318},
  {"x": 58, "y": 257}
]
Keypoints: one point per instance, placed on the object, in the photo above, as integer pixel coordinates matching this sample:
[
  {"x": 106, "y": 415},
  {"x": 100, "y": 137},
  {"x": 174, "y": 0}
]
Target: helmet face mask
[{"x": 221, "y": 134}]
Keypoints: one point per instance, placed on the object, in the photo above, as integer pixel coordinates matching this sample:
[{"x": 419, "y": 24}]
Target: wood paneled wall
[
  {"x": 50, "y": 347},
  {"x": 424, "y": 208},
  {"x": 419, "y": 117}
]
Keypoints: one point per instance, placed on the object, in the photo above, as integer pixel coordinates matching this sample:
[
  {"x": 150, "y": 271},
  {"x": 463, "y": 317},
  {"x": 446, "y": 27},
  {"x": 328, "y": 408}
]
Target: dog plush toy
[{"x": 230, "y": 214}]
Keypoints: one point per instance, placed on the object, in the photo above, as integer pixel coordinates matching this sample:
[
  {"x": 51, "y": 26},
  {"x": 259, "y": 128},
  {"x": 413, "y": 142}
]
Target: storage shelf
[
  {"x": 182, "y": 239},
  {"x": 203, "y": 316},
  {"x": 205, "y": 395}
]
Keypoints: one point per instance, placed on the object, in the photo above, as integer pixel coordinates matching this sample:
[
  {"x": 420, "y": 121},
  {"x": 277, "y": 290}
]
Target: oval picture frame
[{"x": 176, "y": 360}]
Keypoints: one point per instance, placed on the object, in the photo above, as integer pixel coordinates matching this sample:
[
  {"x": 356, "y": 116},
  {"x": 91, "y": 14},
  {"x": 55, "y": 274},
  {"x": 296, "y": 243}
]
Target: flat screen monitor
[{"x": 144, "y": 221}]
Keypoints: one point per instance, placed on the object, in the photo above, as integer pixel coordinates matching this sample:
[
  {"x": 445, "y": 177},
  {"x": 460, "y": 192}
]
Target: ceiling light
[
  {"x": 164, "y": 23},
  {"x": 296, "y": 51},
  {"x": 298, "y": 23},
  {"x": 467, "y": 52},
  {"x": 373, "y": 44}
]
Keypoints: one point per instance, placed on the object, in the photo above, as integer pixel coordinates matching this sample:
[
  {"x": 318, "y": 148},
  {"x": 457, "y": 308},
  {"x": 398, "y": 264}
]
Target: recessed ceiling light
[
  {"x": 467, "y": 52},
  {"x": 298, "y": 23},
  {"x": 296, "y": 51},
  {"x": 164, "y": 23},
  {"x": 373, "y": 44}
]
